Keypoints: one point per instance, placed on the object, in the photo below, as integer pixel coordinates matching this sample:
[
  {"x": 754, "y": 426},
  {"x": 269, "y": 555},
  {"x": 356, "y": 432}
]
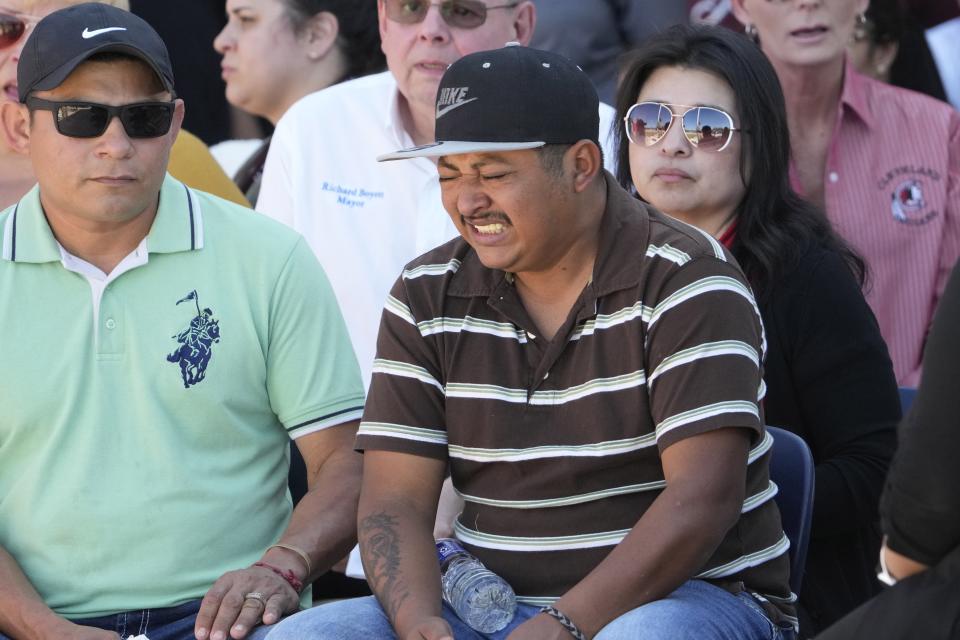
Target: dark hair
[
  {"x": 775, "y": 226},
  {"x": 359, "y": 37},
  {"x": 913, "y": 67}
]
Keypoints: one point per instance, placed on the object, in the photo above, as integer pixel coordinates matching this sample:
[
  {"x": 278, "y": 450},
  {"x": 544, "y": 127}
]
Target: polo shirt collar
[
  {"x": 624, "y": 231},
  {"x": 854, "y": 94},
  {"x": 397, "y": 133},
  {"x": 179, "y": 222},
  {"x": 26, "y": 235},
  {"x": 178, "y": 226}
]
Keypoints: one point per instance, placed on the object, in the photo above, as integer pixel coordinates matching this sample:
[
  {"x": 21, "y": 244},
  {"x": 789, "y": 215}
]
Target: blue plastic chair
[
  {"x": 791, "y": 469},
  {"x": 907, "y": 394}
]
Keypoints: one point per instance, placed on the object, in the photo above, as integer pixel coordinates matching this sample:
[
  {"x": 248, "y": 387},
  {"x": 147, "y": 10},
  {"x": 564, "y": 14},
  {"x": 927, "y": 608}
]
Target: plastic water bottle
[{"x": 481, "y": 598}]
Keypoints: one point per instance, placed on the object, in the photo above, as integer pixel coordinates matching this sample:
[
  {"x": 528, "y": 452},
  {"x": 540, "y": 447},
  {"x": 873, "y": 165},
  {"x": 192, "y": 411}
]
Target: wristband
[
  {"x": 297, "y": 550},
  {"x": 287, "y": 575},
  {"x": 565, "y": 622}
]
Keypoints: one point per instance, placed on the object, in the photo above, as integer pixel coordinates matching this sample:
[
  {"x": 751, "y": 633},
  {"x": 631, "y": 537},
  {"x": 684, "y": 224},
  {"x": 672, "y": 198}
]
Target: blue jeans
[
  {"x": 697, "y": 610},
  {"x": 171, "y": 623}
]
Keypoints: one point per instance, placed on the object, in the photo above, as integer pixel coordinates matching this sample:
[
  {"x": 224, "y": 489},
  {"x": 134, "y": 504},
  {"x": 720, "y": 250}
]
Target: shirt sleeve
[
  {"x": 845, "y": 392},
  {"x": 312, "y": 374},
  {"x": 704, "y": 349},
  {"x": 276, "y": 198},
  {"x": 919, "y": 504},
  {"x": 405, "y": 406}
]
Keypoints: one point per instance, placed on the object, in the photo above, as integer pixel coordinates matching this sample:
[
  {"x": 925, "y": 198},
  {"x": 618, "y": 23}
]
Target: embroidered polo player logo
[
  {"x": 196, "y": 343},
  {"x": 907, "y": 200}
]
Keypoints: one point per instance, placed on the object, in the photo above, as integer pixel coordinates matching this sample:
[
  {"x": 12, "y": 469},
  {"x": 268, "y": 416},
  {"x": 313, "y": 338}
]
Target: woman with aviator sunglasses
[
  {"x": 190, "y": 160},
  {"x": 704, "y": 140}
]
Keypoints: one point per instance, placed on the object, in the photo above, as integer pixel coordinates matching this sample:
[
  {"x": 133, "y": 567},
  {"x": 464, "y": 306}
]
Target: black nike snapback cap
[
  {"x": 510, "y": 99},
  {"x": 66, "y": 38}
]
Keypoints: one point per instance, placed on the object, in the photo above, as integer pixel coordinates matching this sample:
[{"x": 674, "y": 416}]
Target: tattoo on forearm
[{"x": 380, "y": 550}]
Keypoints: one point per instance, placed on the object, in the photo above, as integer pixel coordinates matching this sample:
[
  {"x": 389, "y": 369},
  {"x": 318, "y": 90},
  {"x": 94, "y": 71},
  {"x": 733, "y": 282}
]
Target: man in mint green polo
[{"x": 160, "y": 348}]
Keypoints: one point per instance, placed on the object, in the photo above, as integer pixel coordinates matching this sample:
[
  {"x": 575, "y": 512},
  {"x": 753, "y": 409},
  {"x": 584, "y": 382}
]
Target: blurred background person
[
  {"x": 189, "y": 25},
  {"x": 596, "y": 33},
  {"x": 277, "y": 51},
  {"x": 883, "y": 161},
  {"x": 921, "y": 505},
  {"x": 190, "y": 160},
  {"x": 889, "y": 45},
  {"x": 704, "y": 140}
]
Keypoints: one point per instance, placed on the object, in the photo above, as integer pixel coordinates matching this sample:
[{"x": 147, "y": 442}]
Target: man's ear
[
  {"x": 524, "y": 23},
  {"x": 321, "y": 33},
  {"x": 586, "y": 161},
  {"x": 179, "y": 110},
  {"x": 381, "y": 21},
  {"x": 15, "y": 119}
]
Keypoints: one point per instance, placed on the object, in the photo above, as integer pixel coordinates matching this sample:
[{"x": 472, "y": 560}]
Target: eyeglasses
[
  {"x": 90, "y": 120},
  {"x": 706, "y": 128},
  {"x": 12, "y": 28},
  {"x": 462, "y": 14}
]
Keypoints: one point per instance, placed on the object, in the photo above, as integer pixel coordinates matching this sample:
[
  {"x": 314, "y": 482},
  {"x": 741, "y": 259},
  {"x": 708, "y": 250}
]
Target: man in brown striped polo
[{"x": 589, "y": 369}]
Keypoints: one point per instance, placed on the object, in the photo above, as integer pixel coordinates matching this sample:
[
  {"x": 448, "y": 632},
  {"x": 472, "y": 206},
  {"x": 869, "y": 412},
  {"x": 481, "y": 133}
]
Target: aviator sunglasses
[
  {"x": 90, "y": 120},
  {"x": 12, "y": 28},
  {"x": 706, "y": 128},
  {"x": 462, "y": 14}
]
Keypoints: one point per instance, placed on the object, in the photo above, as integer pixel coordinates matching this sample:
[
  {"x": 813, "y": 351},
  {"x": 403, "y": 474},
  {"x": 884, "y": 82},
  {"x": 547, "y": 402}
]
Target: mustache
[{"x": 487, "y": 217}]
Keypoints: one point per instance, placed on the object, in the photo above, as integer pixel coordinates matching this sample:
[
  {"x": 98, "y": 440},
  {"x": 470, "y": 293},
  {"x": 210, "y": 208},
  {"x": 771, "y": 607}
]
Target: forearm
[
  {"x": 324, "y": 522},
  {"x": 671, "y": 543},
  {"x": 400, "y": 561},
  {"x": 23, "y": 614}
]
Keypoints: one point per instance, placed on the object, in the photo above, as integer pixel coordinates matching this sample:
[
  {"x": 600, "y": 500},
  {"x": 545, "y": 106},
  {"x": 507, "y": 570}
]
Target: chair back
[{"x": 791, "y": 469}]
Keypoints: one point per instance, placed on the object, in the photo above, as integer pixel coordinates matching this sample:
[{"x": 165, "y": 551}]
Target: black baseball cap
[
  {"x": 66, "y": 38},
  {"x": 510, "y": 99}
]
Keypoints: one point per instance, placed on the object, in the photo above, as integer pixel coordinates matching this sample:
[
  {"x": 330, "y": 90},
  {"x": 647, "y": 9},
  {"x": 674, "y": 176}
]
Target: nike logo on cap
[
  {"x": 451, "y": 98},
  {"x": 87, "y": 34},
  {"x": 446, "y": 110}
]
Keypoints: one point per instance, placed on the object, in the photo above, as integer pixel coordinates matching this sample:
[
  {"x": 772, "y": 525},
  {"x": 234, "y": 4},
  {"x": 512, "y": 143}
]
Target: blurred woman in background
[
  {"x": 884, "y": 162},
  {"x": 704, "y": 140},
  {"x": 277, "y": 51}
]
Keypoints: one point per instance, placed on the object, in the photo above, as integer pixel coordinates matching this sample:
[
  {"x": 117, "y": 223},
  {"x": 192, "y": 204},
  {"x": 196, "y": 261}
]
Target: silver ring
[{"x": 256, "y": 595}]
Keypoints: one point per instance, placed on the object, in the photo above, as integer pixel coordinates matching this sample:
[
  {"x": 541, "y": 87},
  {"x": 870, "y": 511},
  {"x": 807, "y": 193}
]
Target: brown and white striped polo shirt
[{"x": 555, "y": 445}]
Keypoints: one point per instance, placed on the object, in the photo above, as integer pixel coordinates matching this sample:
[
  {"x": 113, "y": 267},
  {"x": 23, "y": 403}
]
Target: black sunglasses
[
  {"x": 90, "y": 120},
  {"x": 462, "y": 14}
]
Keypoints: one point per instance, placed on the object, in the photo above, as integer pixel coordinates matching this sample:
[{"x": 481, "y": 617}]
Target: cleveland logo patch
[
  {"x": 451, "y": 98},
  {"x": 915, "y": 192},
  {"x": 196, "y": 343},
  {"x": 907, "y": 200}
]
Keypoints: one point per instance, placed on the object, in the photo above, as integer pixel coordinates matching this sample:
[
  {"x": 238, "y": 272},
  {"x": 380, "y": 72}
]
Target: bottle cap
[{"x": 448, "y": 548}]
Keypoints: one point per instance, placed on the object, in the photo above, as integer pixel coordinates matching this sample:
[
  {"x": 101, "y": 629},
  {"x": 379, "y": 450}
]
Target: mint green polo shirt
[{"x": 143, "y": 443}]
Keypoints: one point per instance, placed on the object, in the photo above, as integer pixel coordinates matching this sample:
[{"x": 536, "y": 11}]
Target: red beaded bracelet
[{"x": 287, "y": 575}]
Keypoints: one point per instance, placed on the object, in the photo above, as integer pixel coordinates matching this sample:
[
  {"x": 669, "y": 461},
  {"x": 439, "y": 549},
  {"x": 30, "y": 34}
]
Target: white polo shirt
[{"x": 364, "y": 220}]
